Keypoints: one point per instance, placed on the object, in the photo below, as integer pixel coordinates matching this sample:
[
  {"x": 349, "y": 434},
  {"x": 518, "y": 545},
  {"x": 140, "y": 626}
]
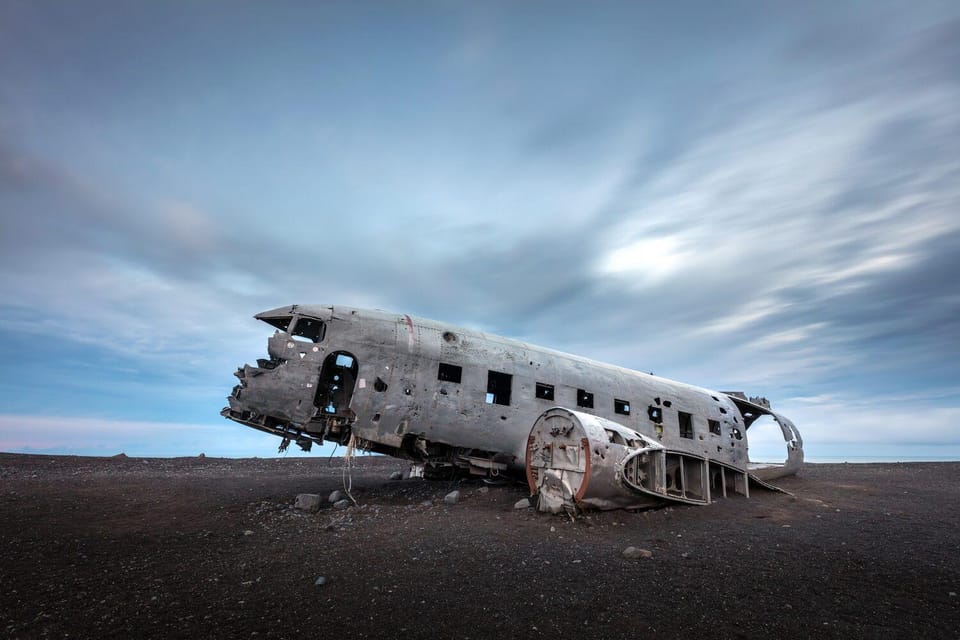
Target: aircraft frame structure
[{"x": 583, "y": 433}]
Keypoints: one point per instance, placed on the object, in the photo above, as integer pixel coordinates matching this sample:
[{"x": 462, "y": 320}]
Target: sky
[{"x": 755, "y": 196}]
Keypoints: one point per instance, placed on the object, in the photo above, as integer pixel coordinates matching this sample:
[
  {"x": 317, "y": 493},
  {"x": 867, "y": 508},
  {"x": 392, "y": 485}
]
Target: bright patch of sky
[{"x": 746, "y": 195}]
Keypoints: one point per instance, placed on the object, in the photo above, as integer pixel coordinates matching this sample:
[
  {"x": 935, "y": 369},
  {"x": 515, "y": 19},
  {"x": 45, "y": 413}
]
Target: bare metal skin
[{"x": 585, "y": 434}]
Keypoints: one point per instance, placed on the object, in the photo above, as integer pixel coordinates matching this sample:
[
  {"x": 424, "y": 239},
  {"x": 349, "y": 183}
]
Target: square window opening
[
  {"x": 686, "y": 424},
  {"x": 714, "y": 426},
  {"x": 449, "y": 372},
  {"x": 584, "y": 399},
  {"x": 498, "y": 387},
  {"x": 621, "y": 406},
  {"x": 544, "y": 391}
]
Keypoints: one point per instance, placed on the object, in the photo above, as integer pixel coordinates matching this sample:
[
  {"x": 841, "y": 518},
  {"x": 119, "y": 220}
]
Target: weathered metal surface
[
  {"x": 576, "y": 459},
  {"x": 455, "y": 398}
]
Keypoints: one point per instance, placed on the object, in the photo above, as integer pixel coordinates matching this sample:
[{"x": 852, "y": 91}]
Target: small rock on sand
[
  {"x": 396, "y": 475},
  {"x": 335, "y": 496},
  {"x": 307, "y": 502},
  {"x": 633, "y": 553},
  {"x": 341, "y": 504},
  {"x": 452, "y": 498},
  {"x": 522, "y": 504}
]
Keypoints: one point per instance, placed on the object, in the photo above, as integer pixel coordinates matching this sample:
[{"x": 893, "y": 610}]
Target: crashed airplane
[{"x": 583, "y": 433}]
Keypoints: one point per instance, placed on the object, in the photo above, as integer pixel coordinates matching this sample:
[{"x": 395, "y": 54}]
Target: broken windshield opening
[
  {"x": 280, "y": 323},
  {"x": 308, "y": 329}
]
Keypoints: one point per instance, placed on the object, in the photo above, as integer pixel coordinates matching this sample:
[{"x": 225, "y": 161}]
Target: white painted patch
[{"x": 362, "y": 383}]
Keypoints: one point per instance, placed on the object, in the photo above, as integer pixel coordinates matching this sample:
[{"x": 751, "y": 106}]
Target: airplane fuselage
[{"x": 449, "y": 396}]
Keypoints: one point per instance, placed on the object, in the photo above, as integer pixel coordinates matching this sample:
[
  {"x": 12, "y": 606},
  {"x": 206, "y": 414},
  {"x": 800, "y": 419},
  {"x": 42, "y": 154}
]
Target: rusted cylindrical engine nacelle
[{"x": 576, "y": 460}]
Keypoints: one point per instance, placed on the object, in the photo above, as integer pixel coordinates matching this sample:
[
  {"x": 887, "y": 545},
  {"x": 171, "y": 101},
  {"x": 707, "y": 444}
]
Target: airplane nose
[{"x": 276, "y": 396}]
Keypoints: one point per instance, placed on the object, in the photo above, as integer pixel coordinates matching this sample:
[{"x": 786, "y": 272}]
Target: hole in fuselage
[
  {"x": 335, "y": 388},
  {"x": 766, "y": 441}
]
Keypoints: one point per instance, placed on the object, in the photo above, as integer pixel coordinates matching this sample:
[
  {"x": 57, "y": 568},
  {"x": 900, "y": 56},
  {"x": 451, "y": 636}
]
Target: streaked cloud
[
  {"x": 761, "y": 197},
  {"x": 647, "y": 261}
]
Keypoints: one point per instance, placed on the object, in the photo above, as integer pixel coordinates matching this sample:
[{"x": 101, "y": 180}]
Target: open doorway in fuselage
[{"x": 338, "y": 375}]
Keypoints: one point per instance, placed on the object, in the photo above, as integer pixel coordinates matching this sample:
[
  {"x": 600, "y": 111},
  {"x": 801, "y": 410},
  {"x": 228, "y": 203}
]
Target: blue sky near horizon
[{"x": 756, "y": 196}]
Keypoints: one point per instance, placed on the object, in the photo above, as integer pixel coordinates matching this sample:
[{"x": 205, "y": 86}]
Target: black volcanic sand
[{"x": 211, "y": 548}]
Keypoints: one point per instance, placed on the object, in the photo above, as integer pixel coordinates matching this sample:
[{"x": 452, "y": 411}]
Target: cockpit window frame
[
  {"x": 313, "y": 330},
  {"x": 279, "y": 322}
]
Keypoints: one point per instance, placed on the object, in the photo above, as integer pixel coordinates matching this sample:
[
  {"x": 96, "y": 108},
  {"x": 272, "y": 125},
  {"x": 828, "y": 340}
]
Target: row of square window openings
[{"x": 498, "y": 392}]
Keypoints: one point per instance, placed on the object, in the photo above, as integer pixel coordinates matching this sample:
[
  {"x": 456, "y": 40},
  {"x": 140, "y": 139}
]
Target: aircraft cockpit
[
  {"x": 302, "y": 391},
  {"x": 300, "y": 327}
]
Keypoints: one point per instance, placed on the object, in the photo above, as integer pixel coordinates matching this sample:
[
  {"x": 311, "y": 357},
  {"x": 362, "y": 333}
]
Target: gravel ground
[{"x": 213, "y": 548}]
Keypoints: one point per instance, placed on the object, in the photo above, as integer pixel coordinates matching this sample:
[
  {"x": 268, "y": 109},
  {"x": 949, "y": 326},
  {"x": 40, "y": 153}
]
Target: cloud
[
  {"x": 647, "y": 260},
  {"x": 844, "y": 419},
  {"x": 779, "y": 215}
]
